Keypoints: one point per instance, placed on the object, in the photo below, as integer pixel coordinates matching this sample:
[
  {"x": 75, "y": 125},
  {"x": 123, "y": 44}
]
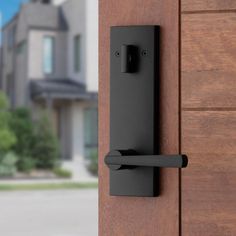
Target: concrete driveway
[{"x": 49, "y": 213}]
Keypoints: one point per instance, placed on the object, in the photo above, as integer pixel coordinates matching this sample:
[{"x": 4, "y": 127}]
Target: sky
[{"x": 8, "y": 8}]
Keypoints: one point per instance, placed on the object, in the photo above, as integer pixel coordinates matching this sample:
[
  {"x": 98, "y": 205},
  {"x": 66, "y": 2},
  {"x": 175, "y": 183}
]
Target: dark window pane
[
  {"x": 90, "y": 131},
  {"x": 21, "y": 47},
  {"x": 77, "y": 52}
]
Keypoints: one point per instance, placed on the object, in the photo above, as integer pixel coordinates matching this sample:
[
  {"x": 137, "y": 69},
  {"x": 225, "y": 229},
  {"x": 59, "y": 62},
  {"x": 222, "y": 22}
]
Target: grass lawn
[{"x": 46, "y": 186}]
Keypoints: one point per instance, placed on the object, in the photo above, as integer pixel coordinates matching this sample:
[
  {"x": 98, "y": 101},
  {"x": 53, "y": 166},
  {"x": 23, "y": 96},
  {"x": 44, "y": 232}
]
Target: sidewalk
[
  {"x": 47, "y": 181},
  {"x": 49, "y": 213}
]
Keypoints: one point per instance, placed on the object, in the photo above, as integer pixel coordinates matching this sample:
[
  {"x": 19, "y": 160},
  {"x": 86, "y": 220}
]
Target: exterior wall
[
  {"x": 74, "y": 12},
  {"x": 21, "y": 78},
  {"x": 82, "y": 18},
  {"x": 8, "y": 54},
  {"x": 35, "y": 59},
  {"x": 92, "y": 45},
  {"x": 22, "y": 25}
]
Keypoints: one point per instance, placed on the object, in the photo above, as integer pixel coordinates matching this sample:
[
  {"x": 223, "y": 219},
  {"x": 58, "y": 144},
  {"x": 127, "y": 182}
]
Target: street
[{"x": 49, "y": 213}]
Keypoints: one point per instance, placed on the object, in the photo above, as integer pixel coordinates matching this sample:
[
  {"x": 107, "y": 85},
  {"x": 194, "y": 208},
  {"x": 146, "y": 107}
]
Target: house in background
[{"x": 50, "y": 60}]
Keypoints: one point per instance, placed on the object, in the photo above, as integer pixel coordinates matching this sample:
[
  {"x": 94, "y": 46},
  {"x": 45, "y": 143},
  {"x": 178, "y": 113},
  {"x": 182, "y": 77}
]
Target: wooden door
[
  {"x": 208, "y": 111},
  {"x": 198, "y": 118},
  {"x": 121, "y": 216}
]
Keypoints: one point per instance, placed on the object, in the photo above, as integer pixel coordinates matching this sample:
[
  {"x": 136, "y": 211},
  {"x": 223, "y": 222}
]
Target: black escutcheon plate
[{"x": 134, "y": 108}]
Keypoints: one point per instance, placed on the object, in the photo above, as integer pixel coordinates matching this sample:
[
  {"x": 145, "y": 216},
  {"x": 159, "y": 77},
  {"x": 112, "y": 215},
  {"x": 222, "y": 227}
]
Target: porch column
[{"x": 49, "y": 103}]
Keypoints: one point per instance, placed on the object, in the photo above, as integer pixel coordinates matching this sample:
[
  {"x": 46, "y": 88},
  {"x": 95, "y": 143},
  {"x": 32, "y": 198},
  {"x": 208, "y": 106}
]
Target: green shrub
[
  {"x": 22, "y": 125},
  {"x": 7, "y": 139},
  {"x": 45, "y": 149},
  {"x": 34, "y": 142},
  {"x": 26, "y": 164},
  {"x": 92, "y": 165},
  {"x": 62, "y": 173},
  {"x": 4, "y": 104},
  {"x": 8, "y": 164},
  {"x": 7, "y": 136},
  {"x": 5, "y": 116}
]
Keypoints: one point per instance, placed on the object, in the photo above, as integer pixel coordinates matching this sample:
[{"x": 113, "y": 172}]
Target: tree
[
  {"x": 7, "y": 136},
  {"x": 22, "y": 126},
  {"x": 7, "y": 140},
  {"x": 46, "y": 150}
]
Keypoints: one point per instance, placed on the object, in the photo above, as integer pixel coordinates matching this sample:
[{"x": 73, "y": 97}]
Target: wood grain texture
[
  {"x": 123, "y": 216},
  {"x": 209, "y": 60},
  {"x": 206, "y": 5},
  {"x": 209, "y": 190}
]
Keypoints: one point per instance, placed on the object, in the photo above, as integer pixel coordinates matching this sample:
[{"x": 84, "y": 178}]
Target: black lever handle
[{"x": 128, "y": 159}]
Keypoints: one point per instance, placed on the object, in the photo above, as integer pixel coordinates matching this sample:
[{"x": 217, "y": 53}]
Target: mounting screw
[
  {"x": 117, "y": 54},
  {"x": 144, "y": 53}
]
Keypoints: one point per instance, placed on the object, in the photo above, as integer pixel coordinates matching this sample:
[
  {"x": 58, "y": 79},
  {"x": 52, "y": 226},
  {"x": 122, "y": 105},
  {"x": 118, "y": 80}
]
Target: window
[
  {"x": 48, "y": 54},
  {"x": 90, "y": 132},
  {"x": 21, "y": 47},
  {"x": 77, "y": 52}
]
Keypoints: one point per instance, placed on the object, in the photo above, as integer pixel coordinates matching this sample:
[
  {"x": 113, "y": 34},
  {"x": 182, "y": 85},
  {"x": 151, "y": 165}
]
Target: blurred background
[{"x": 48, "y": 117}]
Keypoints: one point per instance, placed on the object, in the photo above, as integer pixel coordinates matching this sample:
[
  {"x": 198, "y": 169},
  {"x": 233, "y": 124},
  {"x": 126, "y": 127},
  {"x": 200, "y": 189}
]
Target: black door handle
[
  {"x": 128, "y": 159},
  {"x": 134, "y": 113}
]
